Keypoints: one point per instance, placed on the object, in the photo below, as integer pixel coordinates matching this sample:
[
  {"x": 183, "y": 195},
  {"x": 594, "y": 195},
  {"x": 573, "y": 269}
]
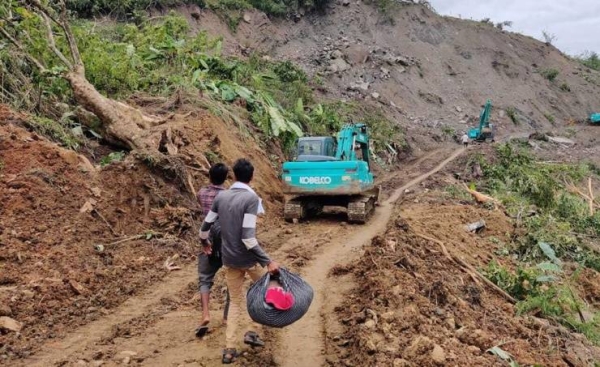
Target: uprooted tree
[{"x": 122, "y": 125}]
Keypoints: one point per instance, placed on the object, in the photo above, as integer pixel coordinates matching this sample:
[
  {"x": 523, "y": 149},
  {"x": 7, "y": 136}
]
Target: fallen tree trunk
[{"x": 121, "y": 124}]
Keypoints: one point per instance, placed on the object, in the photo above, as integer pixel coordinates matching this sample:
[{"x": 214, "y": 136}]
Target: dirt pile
[
  {"x": 415, "y": 307},
  {"x": 77, "y": 239}
]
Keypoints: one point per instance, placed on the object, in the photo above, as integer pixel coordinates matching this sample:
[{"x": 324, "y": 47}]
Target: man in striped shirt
[{"x": 237, "y": 210}]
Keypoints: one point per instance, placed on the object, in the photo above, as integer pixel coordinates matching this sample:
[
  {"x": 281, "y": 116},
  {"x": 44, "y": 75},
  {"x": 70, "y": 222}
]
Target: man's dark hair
[
  {"x": 243, "y": 170},
  {"x": 217, "y": 174}
]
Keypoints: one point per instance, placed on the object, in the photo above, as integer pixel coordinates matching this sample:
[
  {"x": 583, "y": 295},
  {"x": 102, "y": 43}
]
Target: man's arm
[
  {"x": 249, "y": 233},
  {"x": 210, "y": 219}
]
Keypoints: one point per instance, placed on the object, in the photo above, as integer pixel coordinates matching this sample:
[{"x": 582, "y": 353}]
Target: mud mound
[
  {"x": 76, "y": 239},
  {"x": 418, "y": 308}
]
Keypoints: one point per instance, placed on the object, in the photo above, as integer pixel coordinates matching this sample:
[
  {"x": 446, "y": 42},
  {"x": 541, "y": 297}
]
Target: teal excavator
[
  {"x": 485, "y": 131},
  {"x": 331, "y": 172}
]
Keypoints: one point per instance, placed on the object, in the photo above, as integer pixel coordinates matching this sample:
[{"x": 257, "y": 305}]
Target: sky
[{"x": 575, "y": 23}]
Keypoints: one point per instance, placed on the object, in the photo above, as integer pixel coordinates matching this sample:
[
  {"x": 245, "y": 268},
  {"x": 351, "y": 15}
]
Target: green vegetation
[
  {"x": 448, "y": 131},
  {"x": 122, "y": 8},
  {"x": 163, "y": 58},
  {"x": 512, "y": 114},
  {"x": 556, "y": 222},
  {"x": 549, "y": 74},
  {"x": 590, "y": 59},
  {"x": 565, "y": 87},
  {"x": 59, "y": 131},
  {"x": 136, "y": 9},
  {"x": 549, "y": 117},
  {"x": 112, "y": 157}
]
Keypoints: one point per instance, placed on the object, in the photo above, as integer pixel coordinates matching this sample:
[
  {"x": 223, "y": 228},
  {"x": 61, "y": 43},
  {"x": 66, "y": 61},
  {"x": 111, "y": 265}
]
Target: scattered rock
[
  {"x": 346, "y": 2},
  {"x": 126, "y": 360},
  {"x": 360, "y": 86},
  {"x": 81, "y": 363},
  {"x": 288, "y": 231},
  {"x": 10, "y": 324},
  {"x": 438, "y": 355},
  {"x": 458, "y": 109},
  {"x": 338, "y": 65},
  {"x": 559, "y": 140},
  {"x": 399, "y": 362},
  {"x": 375, "y": 95},
  {"x": 247, "y": 18},
  {"x": 337, "y": 54},
  {"x": 76, "y": 287},
  {"x": 5, "y": 310},
  {"x": 431, "y": 98},
  {"x": 451, "y": 323},
  {"x": 419, "y": 345},
  {"x": 473, "y": 349},
  {"x": 96, "y": 191},
  {"x": 370, "y": 324}
]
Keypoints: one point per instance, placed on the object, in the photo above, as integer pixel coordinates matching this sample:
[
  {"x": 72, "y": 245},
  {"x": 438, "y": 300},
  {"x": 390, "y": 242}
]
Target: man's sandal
[
  {"x": 229, "y": 355},
  {"x": 252, "y": 339},
  {"x": 202, "y": 330}
]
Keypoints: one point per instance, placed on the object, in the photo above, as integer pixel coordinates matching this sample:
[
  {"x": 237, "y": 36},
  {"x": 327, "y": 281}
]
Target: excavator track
[
  {"x": 294, "y": 209},
  {"x": 360, "y": 209}
]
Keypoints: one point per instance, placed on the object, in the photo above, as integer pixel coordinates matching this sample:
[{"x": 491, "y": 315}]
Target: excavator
[
  {"x": 331, "y": 172},
  {"x": 485, "y": 131}
]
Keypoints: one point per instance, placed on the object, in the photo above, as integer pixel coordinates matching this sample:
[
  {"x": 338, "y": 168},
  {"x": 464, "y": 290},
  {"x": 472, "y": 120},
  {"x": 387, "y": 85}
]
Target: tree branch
[
  {"x": 63, "y": 23},
  {"x": 20, "y": 47},
  {"x": 52, "y": 43}
]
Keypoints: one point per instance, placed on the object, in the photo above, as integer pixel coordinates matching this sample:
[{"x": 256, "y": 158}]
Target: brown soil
[
  {"x": 75, "y": 238},
  {"x": 414, "y": 307}
]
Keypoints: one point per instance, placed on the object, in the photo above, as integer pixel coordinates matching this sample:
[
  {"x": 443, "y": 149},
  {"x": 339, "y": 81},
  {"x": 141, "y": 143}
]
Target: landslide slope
[{"x": 424, "y": 70}]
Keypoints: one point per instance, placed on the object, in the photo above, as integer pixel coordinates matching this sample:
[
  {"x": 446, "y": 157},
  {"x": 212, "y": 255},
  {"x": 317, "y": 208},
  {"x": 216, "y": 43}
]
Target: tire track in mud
[
  {"x": 163, "y": 336},
  {"x": 303, "y": 341}
]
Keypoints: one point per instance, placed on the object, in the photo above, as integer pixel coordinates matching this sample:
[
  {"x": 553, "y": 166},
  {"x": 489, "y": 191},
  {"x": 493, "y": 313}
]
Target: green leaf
[
  {"x": 505, "y": 356},
  {"x": 547, "y": 266},
  {"x": 278, "y": 123},
  {"x": 244, "y": 93},
  {"x": 227, "y": 93},
  {"x": 299, "y": 106},
  {"x": 549, "y": 252},
  {"x": 130, "y": 50},
  {"x": 196, "y": 76},
  {"x": 545, "y": 279}
]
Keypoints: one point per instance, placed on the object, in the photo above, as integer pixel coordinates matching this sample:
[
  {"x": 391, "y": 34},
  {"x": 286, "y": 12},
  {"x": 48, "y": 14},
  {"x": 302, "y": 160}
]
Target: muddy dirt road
[{"x": 156, "y": 328}]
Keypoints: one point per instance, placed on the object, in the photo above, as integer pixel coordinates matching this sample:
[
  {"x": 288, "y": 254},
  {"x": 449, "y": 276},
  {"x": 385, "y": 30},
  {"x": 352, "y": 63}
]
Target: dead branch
[
  {"x": 468, "y": 268},
  {"x": 132, "y": 238},
  {"x": 591, "y": 201},
  {"x": 106, "y": 222},
  {"x": 481, "y": 198},
  {"x": 20, "y": 47},
  {"x": 63, "y": 23},
  {"x": 52, "y": 43}
]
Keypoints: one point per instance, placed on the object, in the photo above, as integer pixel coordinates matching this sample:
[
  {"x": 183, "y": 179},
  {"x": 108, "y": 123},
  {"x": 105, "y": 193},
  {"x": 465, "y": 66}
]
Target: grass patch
[
  {"x": 511, "y": 112},
  {"x": 549, "y": 117},
  {"x": 112, "y": 157},
  {"x": 565, "y": 87},
  {"x": 549, "y": 74}
]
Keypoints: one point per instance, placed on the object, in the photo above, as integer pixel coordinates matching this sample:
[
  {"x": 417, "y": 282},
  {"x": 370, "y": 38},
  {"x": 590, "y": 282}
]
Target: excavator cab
[{"x": 315, "y": 149}]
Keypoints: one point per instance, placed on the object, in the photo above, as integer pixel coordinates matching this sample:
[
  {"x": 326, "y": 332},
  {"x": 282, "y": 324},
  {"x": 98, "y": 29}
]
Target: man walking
[
  {"x": 237, "y": 210},
  {"x": 465, "y": 140},
  {"x": 209, "y": 261}
]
